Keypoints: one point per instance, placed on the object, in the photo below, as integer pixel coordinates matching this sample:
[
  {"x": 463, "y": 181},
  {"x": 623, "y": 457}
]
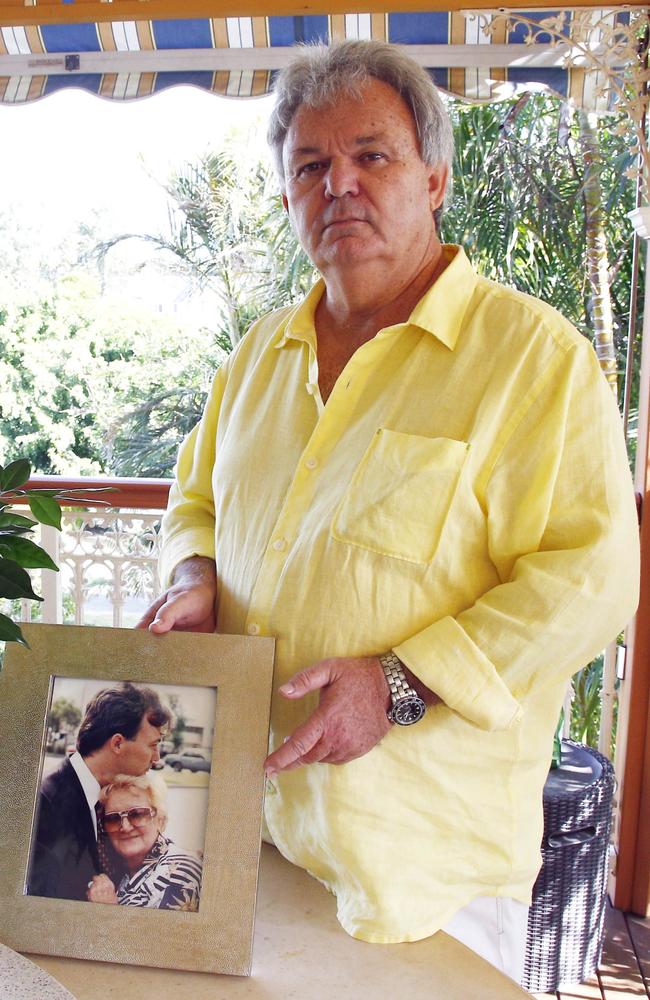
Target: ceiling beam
[
  {"x": 34, "y": 12},
  {"x": 212, "y": 60}
]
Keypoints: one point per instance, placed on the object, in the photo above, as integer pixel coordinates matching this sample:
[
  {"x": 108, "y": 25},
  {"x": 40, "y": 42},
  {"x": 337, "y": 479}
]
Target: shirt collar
[
  {"x": 301, "y": 324},
  {"x": 440, "y": 311},
  {"x": 88, "y": 782}
]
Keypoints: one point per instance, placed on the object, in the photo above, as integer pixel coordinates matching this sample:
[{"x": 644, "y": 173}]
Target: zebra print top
[{"x": 169, "y": 878}]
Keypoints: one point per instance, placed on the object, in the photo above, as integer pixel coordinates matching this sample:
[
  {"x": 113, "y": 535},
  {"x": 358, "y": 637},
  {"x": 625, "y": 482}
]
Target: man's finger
[
  {"x": 297, "y": 750},
  {"x": 171, "y": 612},
  {"x": 165, "y": 618},
  {"x": 311, "y": 679},
  {"x": 150, "y": 613}
]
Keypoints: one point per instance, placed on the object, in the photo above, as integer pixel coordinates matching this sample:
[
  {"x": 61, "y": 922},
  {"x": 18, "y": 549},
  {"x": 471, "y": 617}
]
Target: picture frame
[{"x": 218, "y": 937}]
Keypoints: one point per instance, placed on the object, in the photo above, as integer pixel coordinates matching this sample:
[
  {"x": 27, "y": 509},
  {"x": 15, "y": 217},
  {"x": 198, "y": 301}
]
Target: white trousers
[{"x": 495, "y": 928}]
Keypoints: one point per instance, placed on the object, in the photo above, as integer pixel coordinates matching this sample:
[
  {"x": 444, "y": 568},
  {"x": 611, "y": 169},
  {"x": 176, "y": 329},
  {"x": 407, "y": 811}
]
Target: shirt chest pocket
[{"x": 400, "y": 494}]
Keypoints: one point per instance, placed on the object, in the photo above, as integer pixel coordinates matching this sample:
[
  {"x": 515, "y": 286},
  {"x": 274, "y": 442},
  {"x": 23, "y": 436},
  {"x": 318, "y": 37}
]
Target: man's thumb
[{"x": 311, "y": 679}]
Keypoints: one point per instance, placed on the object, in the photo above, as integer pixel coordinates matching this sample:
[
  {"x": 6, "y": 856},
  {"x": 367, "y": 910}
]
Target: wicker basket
[{"x": 565, "y": 924}]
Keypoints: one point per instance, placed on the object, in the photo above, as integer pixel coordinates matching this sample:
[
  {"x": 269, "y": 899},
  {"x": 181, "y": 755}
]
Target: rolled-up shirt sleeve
[{"x": 563, "y": 535}]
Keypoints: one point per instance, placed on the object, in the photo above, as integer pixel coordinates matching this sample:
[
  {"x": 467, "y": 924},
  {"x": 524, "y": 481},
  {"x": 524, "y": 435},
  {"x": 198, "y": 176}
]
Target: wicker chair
[{"x": 566, "y": 920}]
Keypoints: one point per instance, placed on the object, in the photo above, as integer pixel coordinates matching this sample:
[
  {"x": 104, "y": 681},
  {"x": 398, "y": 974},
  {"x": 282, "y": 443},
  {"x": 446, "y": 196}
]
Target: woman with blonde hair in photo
[{"x": 158, "y": 874}]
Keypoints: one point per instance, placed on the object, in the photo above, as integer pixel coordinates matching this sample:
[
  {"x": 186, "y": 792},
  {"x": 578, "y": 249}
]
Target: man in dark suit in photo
[{"x": 120, "y": 734}]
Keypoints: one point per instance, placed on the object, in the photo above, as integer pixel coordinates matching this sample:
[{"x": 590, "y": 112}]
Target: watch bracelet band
[{"x": 394, "y": 672}]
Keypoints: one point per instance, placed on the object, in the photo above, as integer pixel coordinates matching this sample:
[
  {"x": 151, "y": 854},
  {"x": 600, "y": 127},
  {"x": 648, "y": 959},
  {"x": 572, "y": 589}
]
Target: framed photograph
[{"x": 131, "y": 792}]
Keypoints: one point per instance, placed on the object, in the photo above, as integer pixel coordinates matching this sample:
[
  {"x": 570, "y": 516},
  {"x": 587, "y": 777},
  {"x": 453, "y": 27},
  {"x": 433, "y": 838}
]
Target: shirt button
[
  {"x": 253, "y": 628},
  {"x": 279, "y": 544},
  {"x": 311, "y": 463}
]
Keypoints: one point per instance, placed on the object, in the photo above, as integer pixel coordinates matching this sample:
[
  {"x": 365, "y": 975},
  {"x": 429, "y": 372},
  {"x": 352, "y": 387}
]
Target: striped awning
[{"x": 237, "y": 56}]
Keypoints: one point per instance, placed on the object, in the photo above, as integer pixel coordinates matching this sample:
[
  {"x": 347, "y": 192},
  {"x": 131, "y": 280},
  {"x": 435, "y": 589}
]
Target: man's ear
[
  {"x": 115, "y": 743},
  {"x": 438, "y": 177}
]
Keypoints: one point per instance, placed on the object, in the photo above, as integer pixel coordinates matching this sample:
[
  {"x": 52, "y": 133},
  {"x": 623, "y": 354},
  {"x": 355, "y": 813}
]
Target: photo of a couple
[{"x": 118, "y": 821}]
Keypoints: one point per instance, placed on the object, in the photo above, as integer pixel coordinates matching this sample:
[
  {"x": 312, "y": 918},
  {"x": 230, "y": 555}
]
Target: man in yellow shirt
[{"x": 416, "y": 481}]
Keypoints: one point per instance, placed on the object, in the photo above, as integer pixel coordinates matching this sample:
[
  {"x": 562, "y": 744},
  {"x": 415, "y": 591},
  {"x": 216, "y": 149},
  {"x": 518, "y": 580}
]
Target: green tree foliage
[
  {"x": 518, "y": 204},
  {"x": 73, "y": 362},
  {"x": 228, "y": 233},
  {"x": 38, "y": 257},
  {"x": 64, "y": 713},
  {"x": 232, "y": 231},
  {"x": 585, "y": 709},
  {"x": 177, "y": 733},
  {"x": 44, "y": 393}
]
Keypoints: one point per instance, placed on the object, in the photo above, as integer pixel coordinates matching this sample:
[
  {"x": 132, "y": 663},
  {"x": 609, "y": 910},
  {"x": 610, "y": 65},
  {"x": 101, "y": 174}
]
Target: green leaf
[
  {"x": 16, "y": 521},
  {"x": 46, "y": 510},
  {"x": 10, "y": 632},
  {"x": 26, "y": 553},
  {"x": 16, "y": 474},
  {"x": 15, "y": 581}
]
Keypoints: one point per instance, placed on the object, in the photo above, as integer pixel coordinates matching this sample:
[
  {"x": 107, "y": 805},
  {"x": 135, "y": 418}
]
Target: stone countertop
[
  {"x": 300, "y": 953},
  {"x": 20, "y": 979}
]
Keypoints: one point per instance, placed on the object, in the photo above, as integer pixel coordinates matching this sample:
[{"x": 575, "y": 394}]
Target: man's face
[
  {"x": 137, "y": 755},
  {"x": 356, "y": 188}
]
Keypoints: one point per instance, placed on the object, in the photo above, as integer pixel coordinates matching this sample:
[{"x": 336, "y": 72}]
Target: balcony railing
[
  {"x": 107, "y": 555},
  {"x": 108, "y": 559}
]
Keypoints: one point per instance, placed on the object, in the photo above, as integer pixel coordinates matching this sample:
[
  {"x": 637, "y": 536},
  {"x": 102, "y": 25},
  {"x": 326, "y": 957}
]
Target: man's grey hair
[{"x": 319, "y": 75}]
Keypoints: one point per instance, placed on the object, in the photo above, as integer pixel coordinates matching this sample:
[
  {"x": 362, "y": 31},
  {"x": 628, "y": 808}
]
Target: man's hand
[
  {"x": 101, "y": 890},
  {"x": 349, "y": 721},
  {"x": 188, "y": 605}
]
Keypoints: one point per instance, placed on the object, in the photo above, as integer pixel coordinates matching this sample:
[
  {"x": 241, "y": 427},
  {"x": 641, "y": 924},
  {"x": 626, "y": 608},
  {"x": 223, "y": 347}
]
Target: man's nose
[
  {"x": 341, "y": 178},
  {"x": 155, "y": 756}
]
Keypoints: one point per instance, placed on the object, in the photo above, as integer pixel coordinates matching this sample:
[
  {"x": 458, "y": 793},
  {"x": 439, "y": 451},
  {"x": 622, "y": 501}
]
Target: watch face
[{"x": 408, "y": 710}]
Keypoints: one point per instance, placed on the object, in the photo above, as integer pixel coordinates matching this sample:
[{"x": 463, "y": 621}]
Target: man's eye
[
  {"x": 372, "y": 156},
  {"x": 309, "y": 168}
]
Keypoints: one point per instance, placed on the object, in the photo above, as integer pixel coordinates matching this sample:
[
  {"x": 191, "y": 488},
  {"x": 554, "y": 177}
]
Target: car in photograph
[
  {"x": 56, "y": 741},
  {"x": 192, "y": 758}
]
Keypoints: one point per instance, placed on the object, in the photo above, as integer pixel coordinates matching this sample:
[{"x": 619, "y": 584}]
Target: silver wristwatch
[{"x": 407, "y": 706}]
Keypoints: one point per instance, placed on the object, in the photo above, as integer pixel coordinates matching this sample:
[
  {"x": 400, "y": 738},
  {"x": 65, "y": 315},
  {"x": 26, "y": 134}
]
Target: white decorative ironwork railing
[
  {"x": 107, "y": 567},
  {"x": 107, "y": 556}
]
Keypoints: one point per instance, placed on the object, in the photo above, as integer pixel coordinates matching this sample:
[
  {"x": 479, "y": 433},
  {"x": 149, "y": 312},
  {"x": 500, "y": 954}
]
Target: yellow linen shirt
[{"x": 464, "y": 499}]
